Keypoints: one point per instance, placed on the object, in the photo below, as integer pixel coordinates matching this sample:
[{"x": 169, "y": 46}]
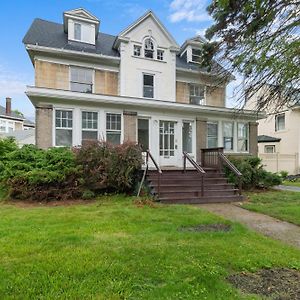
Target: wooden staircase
[
  {"x": 203, "y": 183},
  {"x": 177, "y": 186}
]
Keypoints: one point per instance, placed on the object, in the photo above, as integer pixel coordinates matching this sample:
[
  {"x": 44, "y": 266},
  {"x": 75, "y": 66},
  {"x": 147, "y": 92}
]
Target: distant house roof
[
  {"x": 28, "y": 123},
  {"x": 49, "y": 34},
  {"x": 12, "y": 115},
  {"x": 267, "y": 139}
]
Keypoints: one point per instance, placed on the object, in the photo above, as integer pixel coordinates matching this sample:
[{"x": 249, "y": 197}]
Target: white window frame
[
  {"x": 238, "y": 138},
  {"x": 217, "y": 136},
  {"x": 276, "y": 121},
  {"x": 81, "y": 67},
  {"x": 144, "y": 48},
  {"x": 66, "y": 128},
  {"x": 223, "y": 135},
  {"x": 75, "y": 39},
  {"x": 199, "y": 56},
  {"x": 137, "y": 50},
  {"x": 90, "y": 129},
  {"x": 160, "y": 55},
  {"x": 154, "y": 89},
  {"x": 202, "y": 101},
  {"x": 114, "y": 130},
  {"x": 272, "y": 146}
]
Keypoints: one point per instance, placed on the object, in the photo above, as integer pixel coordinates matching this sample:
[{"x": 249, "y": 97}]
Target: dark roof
[
  {"x": 50, "y": 34},
  {"x": 12, "y": 115},
  {"x": 28, "y": 123},
  {"x": 267, "y": 139}
]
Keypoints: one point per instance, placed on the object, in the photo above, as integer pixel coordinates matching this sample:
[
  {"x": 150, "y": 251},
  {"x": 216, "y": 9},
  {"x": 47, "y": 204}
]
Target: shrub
[
  {"x": 109, "y": 168},
  {"x": 254, "y": 175}
]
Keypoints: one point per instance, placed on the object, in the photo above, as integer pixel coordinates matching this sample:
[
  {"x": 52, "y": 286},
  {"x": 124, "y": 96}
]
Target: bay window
[
  {"x": 89, "y": 125},
  {"x": 242, "y": 142},
  {"x": 228, "y": 135},
  {"x": 63, "y": 127},
  {"x": 81, "y": 80},
  {"x": 212, "y": 134},
  {"x": 113, "y": 128}
]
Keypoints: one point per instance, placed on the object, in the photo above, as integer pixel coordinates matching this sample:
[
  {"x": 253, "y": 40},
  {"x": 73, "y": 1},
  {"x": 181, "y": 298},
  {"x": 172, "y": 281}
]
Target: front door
[{"x": 168, "y": 143}]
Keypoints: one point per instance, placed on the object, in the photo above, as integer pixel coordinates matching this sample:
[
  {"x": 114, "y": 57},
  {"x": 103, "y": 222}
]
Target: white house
[{"x": 137, "y": 86}]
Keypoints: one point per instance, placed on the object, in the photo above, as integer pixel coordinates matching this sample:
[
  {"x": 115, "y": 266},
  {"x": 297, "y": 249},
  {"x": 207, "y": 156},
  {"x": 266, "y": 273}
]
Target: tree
[
  {"x": 261, "y": 40},
  {"x": 18, "y": 113}
]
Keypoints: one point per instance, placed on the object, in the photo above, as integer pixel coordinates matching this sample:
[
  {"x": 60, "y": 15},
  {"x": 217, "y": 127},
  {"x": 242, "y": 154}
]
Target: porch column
[
  {"x": 253, "y": 146},
  {"x": 130, "y": 126},
  {"x": 43, "y": 128},
  {"x": 201, "y": 136}
]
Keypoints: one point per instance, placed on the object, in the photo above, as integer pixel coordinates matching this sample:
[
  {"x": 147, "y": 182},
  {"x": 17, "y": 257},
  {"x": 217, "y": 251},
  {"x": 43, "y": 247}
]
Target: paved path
[
  {"x": 280, "y": 230},
  {"x": 287, "y": 188}
]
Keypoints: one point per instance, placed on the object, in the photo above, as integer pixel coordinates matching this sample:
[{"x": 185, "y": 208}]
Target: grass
[
  {"x": 114, "y": 249},
  {"x": 291, "y": 183},
  {"x": 284, "y": 205}
]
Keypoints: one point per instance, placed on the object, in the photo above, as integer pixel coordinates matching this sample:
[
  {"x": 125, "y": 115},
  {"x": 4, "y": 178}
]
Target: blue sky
[{"x": 183, "y": 18}]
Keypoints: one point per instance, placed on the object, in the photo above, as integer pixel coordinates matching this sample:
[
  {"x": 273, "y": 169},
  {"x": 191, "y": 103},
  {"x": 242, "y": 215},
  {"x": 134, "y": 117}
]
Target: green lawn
[
  {"x": 113, "y": 249},
  {"x": 283, "y": 205},
  {"x": 291, "y": 183}
]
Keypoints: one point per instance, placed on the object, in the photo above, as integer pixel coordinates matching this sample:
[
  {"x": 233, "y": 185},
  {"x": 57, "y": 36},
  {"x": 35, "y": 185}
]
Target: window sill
[{"x": 150, "y": 59}]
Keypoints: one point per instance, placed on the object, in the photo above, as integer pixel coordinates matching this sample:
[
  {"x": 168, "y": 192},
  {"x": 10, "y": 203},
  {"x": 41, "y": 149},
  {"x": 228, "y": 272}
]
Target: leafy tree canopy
[{"x": 261, "y": 40}]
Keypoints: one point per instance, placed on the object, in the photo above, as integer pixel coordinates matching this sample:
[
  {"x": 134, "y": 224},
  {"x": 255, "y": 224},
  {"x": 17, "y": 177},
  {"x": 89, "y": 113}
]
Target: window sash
[
  {"x": 228, "y": 135},
  {"x": 89, "y": 120},
  {"x": 197, "y": 94},
  {"x": 77, "y": 31},
  {"x": 279, "y": 122},
  {"x": 243, "y": 143},
  {"x": 160, "y": 54},
  {"x": 212, "y": 134},
  {"x": 187, "y": 137},
  {"x": 136, "y": 50},
  {"x": 64, "y": 119},
  {"x": 148, "y": 86},
  {"x": 269, "y": 148},
  {"x": 196, "y": 55}
]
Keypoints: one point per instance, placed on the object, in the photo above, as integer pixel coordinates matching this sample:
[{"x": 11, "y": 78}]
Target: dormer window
[
  {"x": 149, "y": 48},
  {"x": 196, "y": 55},
  {"x": 77, "y": 31},
  {"x": 136, "y": 50}
]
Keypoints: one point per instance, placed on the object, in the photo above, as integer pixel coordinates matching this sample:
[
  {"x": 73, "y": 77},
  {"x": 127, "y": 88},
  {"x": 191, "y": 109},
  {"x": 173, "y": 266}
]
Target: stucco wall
[
  {"x": 182, "y": 92},
  {"x": 43, "y": 117},
  {"x": 215, "y": 96},
  {"x": 201, "y": 133},
  {"x": 130, "y": 126},
  {"x": 106, "y": 82}
]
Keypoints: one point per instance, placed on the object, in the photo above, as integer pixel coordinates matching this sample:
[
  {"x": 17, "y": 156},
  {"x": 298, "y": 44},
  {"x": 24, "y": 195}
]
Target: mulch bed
[
  {"x": 277, "y": 284},
  {"x": 32, "y": 203},
  {"x": 206, "y": 228}
]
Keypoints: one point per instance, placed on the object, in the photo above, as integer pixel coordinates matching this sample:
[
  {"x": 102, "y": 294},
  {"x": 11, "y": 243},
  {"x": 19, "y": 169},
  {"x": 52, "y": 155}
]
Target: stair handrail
[
  {"x": 186, "y": 156},
  {"x": 233, "y": 168},
  {"x": 159, "y": 170}
]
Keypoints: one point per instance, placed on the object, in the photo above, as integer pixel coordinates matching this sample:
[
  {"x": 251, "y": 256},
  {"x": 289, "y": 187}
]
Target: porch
[{"x": 194, "y": 182}]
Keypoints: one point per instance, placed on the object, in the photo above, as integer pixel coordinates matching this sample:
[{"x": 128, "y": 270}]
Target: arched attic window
[{"x": 149, "y": 48}]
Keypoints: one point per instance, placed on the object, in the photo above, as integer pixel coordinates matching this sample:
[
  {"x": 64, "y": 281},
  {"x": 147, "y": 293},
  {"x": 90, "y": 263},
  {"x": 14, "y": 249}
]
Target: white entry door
[{"x": 168, "y": 148}]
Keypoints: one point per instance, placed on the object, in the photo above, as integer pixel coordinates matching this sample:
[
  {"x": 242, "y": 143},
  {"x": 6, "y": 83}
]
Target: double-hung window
[
  {"x": 148, "y": 86},
  {"x": 242, "y": 137},
  {"x": 280, "y": 122},
  {"x": 196, "y": 55},
  {"x": 160, "y": 55},
  {"x": 89, "y": 125},
  {"x": 81, "y": 80},
  {"x": 113, "y": 128},
  {"x": 212, "y": 134},
  {"x": 197, "y": 94},
  {"x": 228, "y": 135},
  {"x": 149, "y": 48},
  {"x": 63, "y": 127},
  {"x": 2, "y": 126},
  {"x": 77, "y": 31},
  {"x": 269, "y": 148},
  {"x": 137, "y": 50}
]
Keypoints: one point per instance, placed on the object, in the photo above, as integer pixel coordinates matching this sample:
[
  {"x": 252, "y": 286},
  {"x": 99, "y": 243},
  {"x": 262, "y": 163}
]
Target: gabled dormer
[
  {"x": 191, "y": 49},
  {"x": 81, "y": 26}
]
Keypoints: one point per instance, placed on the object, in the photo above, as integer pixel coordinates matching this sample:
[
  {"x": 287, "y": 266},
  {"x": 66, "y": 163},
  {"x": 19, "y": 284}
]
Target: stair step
[
  {"x": 186, "y": 175},
  {"x": 195, "y": 193},
  {"x": 187, "y": 181},
  {"x": 185, "y": 187},
  {"x": 206, "y": 199}
]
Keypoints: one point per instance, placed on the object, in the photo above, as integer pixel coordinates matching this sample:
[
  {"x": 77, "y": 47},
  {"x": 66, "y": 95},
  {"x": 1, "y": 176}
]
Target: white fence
[{"x": 276, "y": 162}]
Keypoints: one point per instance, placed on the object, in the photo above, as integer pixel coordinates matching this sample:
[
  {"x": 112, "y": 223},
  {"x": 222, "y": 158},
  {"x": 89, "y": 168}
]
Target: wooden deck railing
[
  {"x": 215, "y": 158},
  {"x": 149, "y": 156},
  {"x": 186, "y": 157}
]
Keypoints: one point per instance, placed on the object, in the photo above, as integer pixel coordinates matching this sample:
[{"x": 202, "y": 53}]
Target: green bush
[
  {"x": 60, "y": 173},
  {"x": 109, "y": 168},
  {"x": 254, "y": 175}
]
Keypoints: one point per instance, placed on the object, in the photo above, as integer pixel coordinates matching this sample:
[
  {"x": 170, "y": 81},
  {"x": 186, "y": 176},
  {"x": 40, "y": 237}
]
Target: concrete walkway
[
  {"x": 280, "y": 230},
  {"x": 287, "y": 188}
]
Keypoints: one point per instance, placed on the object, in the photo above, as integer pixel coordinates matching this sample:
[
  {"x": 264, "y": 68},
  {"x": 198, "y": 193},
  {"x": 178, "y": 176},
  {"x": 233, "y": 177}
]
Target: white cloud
[{"x": 189, "y": 10}]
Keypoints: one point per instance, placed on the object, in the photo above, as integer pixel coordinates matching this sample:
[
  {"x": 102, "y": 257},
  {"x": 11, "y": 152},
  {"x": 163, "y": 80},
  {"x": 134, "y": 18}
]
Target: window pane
[
  {"x": 89, "y": 135},
  {"x": 280, "y": 122},
  {"x": 228, "y": 135},
  {"x": 77, "y": 31},
  {"x": 113, "y": 138},
  {"x": 148, "y": 80},
  {"x": 63, "y": 137},
  {"x": 187, "y": 137},
  {"x": 212, "y": 135},
  {"x": 81, "y": 87},
  {"x": 143, "y": 133}
]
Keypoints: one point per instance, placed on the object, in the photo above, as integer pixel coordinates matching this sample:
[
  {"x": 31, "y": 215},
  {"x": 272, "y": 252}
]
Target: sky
[{"x": 183, "y": 18}]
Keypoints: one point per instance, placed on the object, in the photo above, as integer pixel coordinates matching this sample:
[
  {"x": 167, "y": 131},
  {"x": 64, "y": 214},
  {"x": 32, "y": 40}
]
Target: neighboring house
[
  {"x": 22, "y": 137},
  {"x": 11, "y": 121},
  {"x": 138, "y": 86},
  {"x": 279, "y": 135}
]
